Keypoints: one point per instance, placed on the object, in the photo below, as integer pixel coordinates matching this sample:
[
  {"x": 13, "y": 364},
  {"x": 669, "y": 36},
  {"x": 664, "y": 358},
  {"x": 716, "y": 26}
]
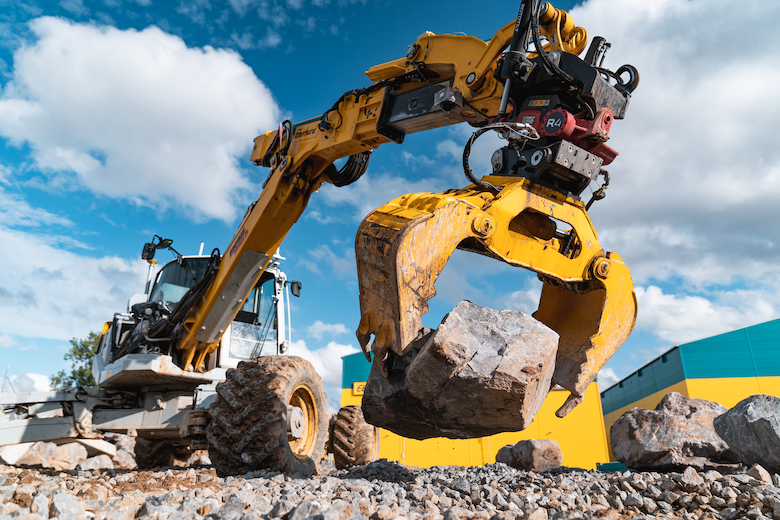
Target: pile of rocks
[
  {"x": 382, "y": 491},
  {"x": 113, "y": 451},
  {"x": 684, "y": 432}
]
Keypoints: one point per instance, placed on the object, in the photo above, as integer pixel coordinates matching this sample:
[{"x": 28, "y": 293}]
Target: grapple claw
[
  {"x": 400, "y": 253},
  {"x": 587, "y": 297}
]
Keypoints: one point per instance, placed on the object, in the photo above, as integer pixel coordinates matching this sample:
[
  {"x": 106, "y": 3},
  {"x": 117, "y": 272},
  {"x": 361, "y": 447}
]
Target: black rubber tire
[
  {"x": 248, "y": 427},
  {"x": 354, "y": 440},
  {"x": 329, "y": 443},
  {"x": 153, "y": 454}
]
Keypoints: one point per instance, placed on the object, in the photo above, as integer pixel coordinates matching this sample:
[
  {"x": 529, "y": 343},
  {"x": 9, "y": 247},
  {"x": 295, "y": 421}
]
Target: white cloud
[
  {"x": 316, "y": 215},
  {"x": 6, "y": 341},
  {"x": 16, "y": 212},
  {"x": 607, "y": 378},
  {"x": 694, "y": 186},
  {"x": 74, "y": 6},
  {"x": 318, "y": 329},
  {"x": 48, "y": 292},
  {"x": 414, "y": 161},
  {"x": 526, "y": 300},
  {"x": 241, "y": 6},
  {"x": 271, "y": 40},
  {"x": 137, "y": 115},
  {"x": 679, "y": 319},
  {"x": 342, "y": 267},
  {"x": 28, "y": 382},
  {"x": 327, "y": 363},
  {"x": 243, "y": 42}
]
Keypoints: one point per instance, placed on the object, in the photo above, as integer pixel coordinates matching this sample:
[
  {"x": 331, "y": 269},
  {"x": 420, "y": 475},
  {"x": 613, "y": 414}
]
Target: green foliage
[{"x": 80, "y": 355}]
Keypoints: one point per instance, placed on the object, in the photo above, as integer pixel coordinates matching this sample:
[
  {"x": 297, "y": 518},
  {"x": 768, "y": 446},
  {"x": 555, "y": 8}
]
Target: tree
[{"x": 80, "y": 354}]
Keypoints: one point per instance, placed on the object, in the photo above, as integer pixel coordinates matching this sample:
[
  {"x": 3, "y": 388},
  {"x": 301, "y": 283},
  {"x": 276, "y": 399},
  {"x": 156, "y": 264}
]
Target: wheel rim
[{"x": 303, "y": 399}]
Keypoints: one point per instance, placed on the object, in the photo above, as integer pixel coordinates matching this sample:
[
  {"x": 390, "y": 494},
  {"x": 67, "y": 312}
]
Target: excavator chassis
[{"x": 588, "y": 297}]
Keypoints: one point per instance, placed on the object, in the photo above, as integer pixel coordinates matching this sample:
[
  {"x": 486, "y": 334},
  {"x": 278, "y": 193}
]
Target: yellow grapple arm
[
  {"x": 401, "y": 248},
  {"x": 300, "y": 155}
]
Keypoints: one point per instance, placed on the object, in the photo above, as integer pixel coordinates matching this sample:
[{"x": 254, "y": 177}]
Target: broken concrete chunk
[
  {"x": 678, "y": 433},
  {"x": 67, "y": 507},
  {"x": 98, "y": 462},
  {"x": 124, "y": 460},
  {"x": 532, "y": 455},
  {"x": 481, "y": 372},
  {"x": 98, "y": 447},
  {"x": 752, "y": 430},
  {"x": 12, "y": 453},
  {"x": 121, "y": 441},
  {"x": 40, "y": 454},
  {"x": 69, "y": 455}
]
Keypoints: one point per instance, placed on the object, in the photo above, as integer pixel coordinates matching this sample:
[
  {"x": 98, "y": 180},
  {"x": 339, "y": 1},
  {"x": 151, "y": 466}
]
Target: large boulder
[
  {"x": 68, "y": 456},
  {"x": 532, "y": 455},
  {"x": 13, "y": 452},
  {"x": 752, "y": 431},
  {"x": 121, "y": 441},
  {"x": 40, "y": 454},
  {"x": 678, "y": 433},
  {"x": 481, "y": 372},
  {"x": 97, "y": 462},
  {"x": 124, "y": 460}
]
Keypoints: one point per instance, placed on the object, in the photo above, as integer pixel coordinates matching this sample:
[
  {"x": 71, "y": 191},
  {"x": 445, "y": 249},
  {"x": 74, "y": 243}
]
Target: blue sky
[{"x": 121, "y": 119}]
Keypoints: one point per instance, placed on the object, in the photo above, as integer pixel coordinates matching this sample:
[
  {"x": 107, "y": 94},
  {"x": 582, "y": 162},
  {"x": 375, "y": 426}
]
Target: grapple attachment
[{"x": 588, "y": 297}]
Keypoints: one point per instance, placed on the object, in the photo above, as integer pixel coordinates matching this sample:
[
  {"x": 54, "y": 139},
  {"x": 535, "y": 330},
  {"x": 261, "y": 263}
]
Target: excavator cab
[{"x": 127, "y": 351}]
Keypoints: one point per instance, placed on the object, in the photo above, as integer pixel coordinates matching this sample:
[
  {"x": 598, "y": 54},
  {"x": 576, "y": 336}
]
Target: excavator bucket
[
  {"x": 587, "y": 298},
  {"x": 400, "y": 254}
]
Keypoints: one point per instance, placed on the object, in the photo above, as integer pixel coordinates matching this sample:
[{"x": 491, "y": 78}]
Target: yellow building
[
  {"x": 725, "y": 368},
  {"x": 581, "y": 434}
]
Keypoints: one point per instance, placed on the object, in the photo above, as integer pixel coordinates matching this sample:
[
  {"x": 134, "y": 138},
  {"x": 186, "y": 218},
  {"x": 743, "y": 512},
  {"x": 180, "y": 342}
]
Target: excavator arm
[{"x": 554, "y": 109}]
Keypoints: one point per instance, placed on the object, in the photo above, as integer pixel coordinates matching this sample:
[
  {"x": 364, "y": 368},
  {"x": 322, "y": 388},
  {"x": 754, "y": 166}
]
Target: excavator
[
  {"x": 554, "y": 110},
  {"x": 527, "y": 85}
]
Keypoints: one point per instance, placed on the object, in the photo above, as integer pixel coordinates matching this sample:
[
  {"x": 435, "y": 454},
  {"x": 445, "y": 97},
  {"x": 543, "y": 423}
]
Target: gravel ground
[{"x": 384, "y": 490}]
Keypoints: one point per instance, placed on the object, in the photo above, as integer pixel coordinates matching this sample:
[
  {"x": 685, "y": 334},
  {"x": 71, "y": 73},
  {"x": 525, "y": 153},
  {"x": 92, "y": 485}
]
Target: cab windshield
[
  {"x": 256, "y": 326},
  {"x": 176, "y": 279}
]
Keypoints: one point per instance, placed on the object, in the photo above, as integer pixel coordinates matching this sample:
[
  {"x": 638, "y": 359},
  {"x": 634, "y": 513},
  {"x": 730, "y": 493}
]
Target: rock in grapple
[{"x": 481, "y": 372}]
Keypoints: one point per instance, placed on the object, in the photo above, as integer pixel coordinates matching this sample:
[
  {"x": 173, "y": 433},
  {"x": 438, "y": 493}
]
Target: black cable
[
  {"x": 469, "y": 175},
  {"x": 163, "y": 328},
  {"x": 354, "y": 168},
  {"x": 601, "y": 192},
  {"x": 285, "y": 124},
  {"x": 543, "y": 54}
]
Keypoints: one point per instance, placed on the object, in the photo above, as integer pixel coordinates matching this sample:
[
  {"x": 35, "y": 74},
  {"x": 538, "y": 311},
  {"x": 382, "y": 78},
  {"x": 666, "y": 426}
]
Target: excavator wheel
[
  {"x": 329, "y": 443},
  {"x": 269, "y": 414},
  {"x": 354, "y": 440}
]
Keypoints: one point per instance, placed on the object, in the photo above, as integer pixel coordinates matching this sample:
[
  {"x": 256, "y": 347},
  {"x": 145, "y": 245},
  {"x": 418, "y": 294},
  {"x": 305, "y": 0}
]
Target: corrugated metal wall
[{"x": 655, "y": 376}]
